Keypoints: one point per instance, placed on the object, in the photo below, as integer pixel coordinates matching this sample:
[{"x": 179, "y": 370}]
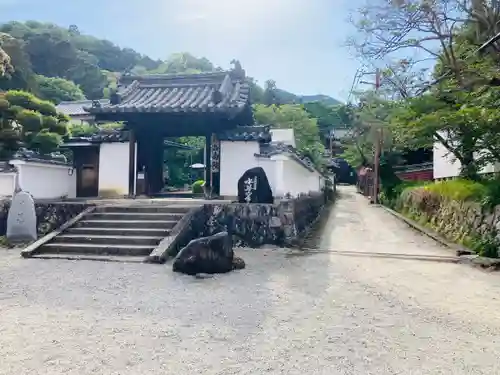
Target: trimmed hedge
[{"x": 197, "y": 187}]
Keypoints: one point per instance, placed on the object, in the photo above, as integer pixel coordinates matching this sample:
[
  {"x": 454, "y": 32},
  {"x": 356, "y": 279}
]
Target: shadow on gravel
[
  {"x": 317, "y": 240},
  {"x": 427, "y": 258}
]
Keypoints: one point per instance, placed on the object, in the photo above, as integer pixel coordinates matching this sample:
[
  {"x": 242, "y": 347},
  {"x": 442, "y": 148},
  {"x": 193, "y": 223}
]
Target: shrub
[
  {"x": 198, "y": 186},
  {"x": 21, "y": 99},
  {"x": 492, "y": 197},
  {"x": 53, "y": 125},
  {"x": 458, "y": 190},
  {"x": 46, "y": 141},
  {"x": 30, "y": 120}
]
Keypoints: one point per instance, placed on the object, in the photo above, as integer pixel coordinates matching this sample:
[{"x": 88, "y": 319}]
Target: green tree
[
  {"x": 20, "y": 74},
  {"x": 58, "y": 89},
  {"x": 26, "y": 121},
  {"x": 294, "y": 116},
  {"x": 185, "y": 63},
  {"x": 5, "y": 65},
  {"x": 270, "y": 95}
]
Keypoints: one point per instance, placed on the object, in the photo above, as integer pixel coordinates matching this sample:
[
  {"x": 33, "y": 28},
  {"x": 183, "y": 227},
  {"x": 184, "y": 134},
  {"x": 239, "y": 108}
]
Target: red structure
[{"x": 416, "y": 172}]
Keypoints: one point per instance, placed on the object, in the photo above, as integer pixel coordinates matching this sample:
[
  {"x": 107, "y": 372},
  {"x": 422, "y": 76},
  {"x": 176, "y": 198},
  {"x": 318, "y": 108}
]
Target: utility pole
[
  {"x": 378, "y": 147},
  {"x": 378, "y": 142}
]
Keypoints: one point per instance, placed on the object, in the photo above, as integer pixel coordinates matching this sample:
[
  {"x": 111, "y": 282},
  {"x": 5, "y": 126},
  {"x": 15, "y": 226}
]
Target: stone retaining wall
[
  {"x": 251, "y": 225},
  {"x": 50, "y": 215},
  {"x": 467, "y": 223}
]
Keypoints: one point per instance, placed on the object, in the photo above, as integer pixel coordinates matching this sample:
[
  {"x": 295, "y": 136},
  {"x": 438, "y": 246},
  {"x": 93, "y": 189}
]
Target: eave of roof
[
  {"x": 258, "y": 133},
  {"x": 112, "y": 136},
  {"x": 76, "y": 108},
  {"x": 269, "y": 150},
  {"x": 226, "y": 92}
]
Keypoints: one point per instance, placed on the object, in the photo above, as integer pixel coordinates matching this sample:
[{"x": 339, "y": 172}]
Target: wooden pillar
[
  {"x": 150, "y": 155},
  {"x": 132, "y": 171},
  {"x": 155, "y": 170},
  {"x": 208, "y": 163}
]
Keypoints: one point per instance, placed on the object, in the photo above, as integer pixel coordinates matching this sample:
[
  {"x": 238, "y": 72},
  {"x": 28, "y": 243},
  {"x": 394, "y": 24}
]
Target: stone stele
[{"x": 21, "y": 219}]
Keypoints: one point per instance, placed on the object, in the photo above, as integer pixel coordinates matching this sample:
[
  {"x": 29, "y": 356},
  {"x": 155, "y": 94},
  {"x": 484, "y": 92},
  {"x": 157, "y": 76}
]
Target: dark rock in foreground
[{"x": 209, "y": 255}]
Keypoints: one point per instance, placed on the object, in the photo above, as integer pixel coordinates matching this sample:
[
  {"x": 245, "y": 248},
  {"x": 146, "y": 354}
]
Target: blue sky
[{"x": 298, "y": 43}]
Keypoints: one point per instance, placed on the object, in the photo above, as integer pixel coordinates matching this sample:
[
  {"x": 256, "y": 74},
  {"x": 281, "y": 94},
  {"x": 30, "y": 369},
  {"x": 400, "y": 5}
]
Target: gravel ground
[{"x": 315, "y": 314}]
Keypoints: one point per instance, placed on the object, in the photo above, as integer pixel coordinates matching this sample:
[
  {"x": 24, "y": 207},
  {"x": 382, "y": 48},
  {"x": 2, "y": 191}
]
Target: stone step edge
[
  {"x": 102, "y": 236},
  {"x": 98, "y": 258},
  {"x": 101, "y": 229},
  {"x": 126, "y": 221},
  {"x": 90, "y": 245}
]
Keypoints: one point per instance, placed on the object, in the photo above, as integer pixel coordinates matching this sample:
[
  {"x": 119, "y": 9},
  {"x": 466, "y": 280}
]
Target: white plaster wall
[
  {"x": 286, "y": 136},
  {"x": 271, "y": 167},
  {"x": 235, "y": 159},
  {"x": 114, "y": 167},
  {"x": 46, "y": 181},
  {"x": 7, "y": 184},
  {"x": 445, "y": 165},
  {"x": 284, "y": 174},
  {"x": 297, "y": 179}
]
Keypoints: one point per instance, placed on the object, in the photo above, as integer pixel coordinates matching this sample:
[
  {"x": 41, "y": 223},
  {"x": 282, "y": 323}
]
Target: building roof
[
  {"x": 55, "y": 158},
  {"x": 259, "y": 133},
  {"x": 112, "y": 136},
  {"x": 75, "y": 108},
  {"x": 207, "y": 92},
  {"x": 268, "y": 150},
  {"x": 5, "y": 167}
]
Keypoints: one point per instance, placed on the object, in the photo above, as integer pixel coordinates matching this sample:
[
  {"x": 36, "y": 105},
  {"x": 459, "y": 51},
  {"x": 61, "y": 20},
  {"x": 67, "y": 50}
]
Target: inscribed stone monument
[
  {"x": 253, "y": 187},
  {"x": 21, "y": 219}
]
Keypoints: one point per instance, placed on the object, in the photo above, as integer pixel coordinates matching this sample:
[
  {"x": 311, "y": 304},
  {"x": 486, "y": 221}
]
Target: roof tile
[{"x": 207, "y": 92}]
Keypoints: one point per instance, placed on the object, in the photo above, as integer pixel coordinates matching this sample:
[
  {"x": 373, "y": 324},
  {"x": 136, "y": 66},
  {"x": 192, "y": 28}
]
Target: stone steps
[
  {"x": 156, "y": 232},
  {"x": 159, "y": 216},
  {"x": 98, "y": 258},
  {"x": 161, "y": 224},
  {"x": 107, "y": 239},
  {"x": 98, "y": 249},
  {"x": 131, "y": 231}
]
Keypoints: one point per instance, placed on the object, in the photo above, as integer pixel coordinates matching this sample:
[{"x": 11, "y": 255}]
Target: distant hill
[
  {"x": 325, "y": 99},
  {"x": 286, "y": 97}
]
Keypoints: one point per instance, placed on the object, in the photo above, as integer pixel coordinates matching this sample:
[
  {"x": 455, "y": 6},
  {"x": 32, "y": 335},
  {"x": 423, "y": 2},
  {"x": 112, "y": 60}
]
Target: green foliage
[
  {"x": 179, "y": 161},
  {"x": 5, "y": 64},
  {"x": 486, "y": 245},
  {"x": 28, "y": 121},
  {"x": 31, "y": 121},
  {"x": 111, "y": 126},
  {"x": 458, "y": 190},
  {"x": 295, "y": 117},
  {"x": 29, "y": 101},
  {"x": 81, "y": 129},
  {"x": 58, "y": 89},
  {"x": 53, "y": 51},
  {"x": 46, "y": 141},
  {"x": 197, "y": 187}
]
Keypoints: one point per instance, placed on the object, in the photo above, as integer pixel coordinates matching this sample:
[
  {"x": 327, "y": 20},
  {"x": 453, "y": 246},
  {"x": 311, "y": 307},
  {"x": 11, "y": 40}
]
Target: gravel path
[{"x": 315, "y": 314}]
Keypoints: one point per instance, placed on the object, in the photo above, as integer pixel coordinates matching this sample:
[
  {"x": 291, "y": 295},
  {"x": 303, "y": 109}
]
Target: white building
[
  {"x": 105, "y": 165},
  {"x": 446, "y": 165},
  {"x": 75, "y": 110},
  {"x": 271, "y": 149}
]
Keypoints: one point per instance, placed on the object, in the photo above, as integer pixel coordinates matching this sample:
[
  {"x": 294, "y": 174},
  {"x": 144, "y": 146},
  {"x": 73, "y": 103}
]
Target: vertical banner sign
[
  {"x": 215, "y": 165},
  {"x": 215, "y": 154}
]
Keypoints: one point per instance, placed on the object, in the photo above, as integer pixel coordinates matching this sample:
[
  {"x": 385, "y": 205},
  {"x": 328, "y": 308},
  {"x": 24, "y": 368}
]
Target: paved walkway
[{"x": 315, "y": 314}]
